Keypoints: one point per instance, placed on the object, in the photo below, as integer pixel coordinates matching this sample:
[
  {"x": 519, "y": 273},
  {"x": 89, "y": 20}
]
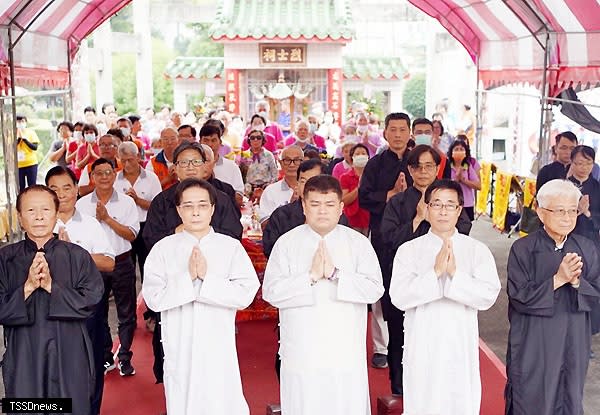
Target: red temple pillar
[
  {"x": 334, "y": 93},
  {"x": 232, "y": 90}
]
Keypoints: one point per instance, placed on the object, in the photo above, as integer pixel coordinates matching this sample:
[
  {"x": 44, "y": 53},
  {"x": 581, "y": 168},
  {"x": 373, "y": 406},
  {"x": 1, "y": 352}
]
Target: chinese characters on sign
[
  {"x": 277, "y": 55},
  {"x": 232, "y": 90},
  {"x": 334, "y": 91}
]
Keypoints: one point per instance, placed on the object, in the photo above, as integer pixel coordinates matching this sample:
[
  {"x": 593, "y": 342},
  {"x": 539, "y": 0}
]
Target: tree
[
  {"x": 414, "y": 96},
  {"x": 202, "y": 44}
]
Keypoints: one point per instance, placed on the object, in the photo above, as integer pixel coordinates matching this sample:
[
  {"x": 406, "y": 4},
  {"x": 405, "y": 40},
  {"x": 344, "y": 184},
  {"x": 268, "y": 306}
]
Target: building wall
[{"x": 246, "y": 56}]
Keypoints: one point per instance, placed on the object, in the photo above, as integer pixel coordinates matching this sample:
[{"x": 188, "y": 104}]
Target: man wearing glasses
[
  {"x": 441, "y": 280},
  {"x": 118, "y": 215},
  {"x": 283, "y": 191},
  {"x": 107, "y": 145}
]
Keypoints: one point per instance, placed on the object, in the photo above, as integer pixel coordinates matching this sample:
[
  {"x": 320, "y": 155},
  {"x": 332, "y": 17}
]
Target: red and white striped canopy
[
  {"x": 508, "y": 38},
  {"x": 53, "y": 31}
]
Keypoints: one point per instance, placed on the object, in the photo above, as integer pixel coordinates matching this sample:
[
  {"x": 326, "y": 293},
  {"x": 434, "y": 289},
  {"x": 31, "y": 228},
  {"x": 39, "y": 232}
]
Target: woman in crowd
[
  {"x": 464, "y": 173},
  {"x": 88, "y": 150},
  {"x": 259, "y": 163},
  {"x": 345, "y": 165},
  {"x": 358, "y": 218},
  {"x": 258, "y": 122},
  {"x": 304, "y": 138},
  {"x": 367, "y": 134}
]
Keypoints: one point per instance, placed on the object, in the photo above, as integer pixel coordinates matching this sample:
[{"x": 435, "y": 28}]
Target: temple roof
[
  {"x": 279, "y": 20},
  {"x": 361, "y": 68}
]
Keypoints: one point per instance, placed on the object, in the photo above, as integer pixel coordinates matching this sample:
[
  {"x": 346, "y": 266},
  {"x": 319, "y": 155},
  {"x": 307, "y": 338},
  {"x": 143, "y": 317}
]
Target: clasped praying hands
[
  {"x": 39, "y": 275},
  {"x": 445, "y": 262},
  {"x": 569, "y": 271},
  {"x": 322, "y": 264},
  {"x": 197, "y": 264}
]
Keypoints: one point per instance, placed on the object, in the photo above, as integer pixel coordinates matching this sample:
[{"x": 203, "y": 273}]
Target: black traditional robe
[
  {"x": 48, "y": 351},
  {"x": 550, "y": 331},
  {"x": 284, "y": 219}
]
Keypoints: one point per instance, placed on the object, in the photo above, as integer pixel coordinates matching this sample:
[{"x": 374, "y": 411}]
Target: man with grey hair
[
  {"x": 142, "y": 186},
  {"x": 302, "y": 137},
  {"x": 553, "y": 283}
]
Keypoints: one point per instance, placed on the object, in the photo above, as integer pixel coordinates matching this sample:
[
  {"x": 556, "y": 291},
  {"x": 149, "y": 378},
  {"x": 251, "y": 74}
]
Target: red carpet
[{"x": 257, "y": 343}]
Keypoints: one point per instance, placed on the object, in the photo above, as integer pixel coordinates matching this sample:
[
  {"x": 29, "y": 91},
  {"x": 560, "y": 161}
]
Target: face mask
[
  {"x": 21, "y": 125},
  {"x": 361, "y": 129},
  {"x": 77, "y": 135},
  {"x": 302, "y": 140},
  {"x": 351, "y": 138},
  {"x": 264, "y": 114},
  {"x": 126, "y": 131},
  {"x": 312, "y": 128},
  {"x": 90, "y": 138},
  {"x": 360, "y": 160},
  {"x": 259, "y": 127},
  {"x": 458, "y": 157},
  {"x": 423, "y": 139}
]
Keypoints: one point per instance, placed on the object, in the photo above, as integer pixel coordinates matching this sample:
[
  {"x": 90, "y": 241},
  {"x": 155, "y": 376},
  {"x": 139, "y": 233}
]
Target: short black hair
[
  {"x": 126, "y": 119},
  {"x": 445, "y": 184},
  {"x": 192, "y": 129},
  {"x": 396, "y": 116},
  {"x": 37, "y": 188},
  {"x": 312, "y": 154},
  {"x": 134, "y": 118},
  {"x": 357, "y": 146},
  {"x": 415, "y": 155},
  {"x": 21, "y": 117},
  {"x": 78, "y": 124},
  {"x": 258, "y": 116},
  {"x": 89, "y": 109},
  {"x": 106, "y": 105},
  {"x": 586, "y": 151},
  {"x": 100, "y": 161},
  {"x": 89, "y": 127},
  {"x": 60, "y": 171},
  {"x": 187, "y": 146},
  {"x": 67, "y": 124},
  {"x": 210, "y": 129},
  {"x": 323, "y": 183},
  {"x": 215, "y": 123},
  {"x": 568, "y": 135},
  {"x": 193, "y": 182},
  {"x": 310, "y": 164},
  {"x": 438, "y": 122},
  {"x": 418, "y": 121},
  {"x": 116, "y": 132},
  {"x": 461, "y": 143}
]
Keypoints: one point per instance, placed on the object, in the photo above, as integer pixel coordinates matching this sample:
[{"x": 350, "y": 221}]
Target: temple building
[{"x": 290, "y": 52}]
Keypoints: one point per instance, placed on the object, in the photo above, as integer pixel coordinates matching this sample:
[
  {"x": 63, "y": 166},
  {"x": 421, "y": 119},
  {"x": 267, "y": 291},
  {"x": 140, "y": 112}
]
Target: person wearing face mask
[
  {"x": 422, "y": 131},
  {"x": 302, "y": 138},
  {"x": 124, "y": 124},
  {"x": 258, "y": 122},
  {"x": 88, "y": 151},
  {"x": 27, "y": 144},
  {"x": 358, "y": 218},
  {"x": 463, "y": 172},
  {"x": 367, "y": 136}
]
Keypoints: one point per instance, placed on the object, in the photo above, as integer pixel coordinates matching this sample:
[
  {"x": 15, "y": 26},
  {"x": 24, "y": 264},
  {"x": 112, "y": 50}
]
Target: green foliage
[
  {"x": 202, "y": 44},
  {"x": 123, "y": 20},
  {"x": 377, "y": 104},
  {"x": 414, "y": 96},
  {"x": 163, "y": 87}
]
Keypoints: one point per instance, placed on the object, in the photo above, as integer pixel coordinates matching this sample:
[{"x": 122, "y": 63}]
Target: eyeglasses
[
  {"x": 288, "y": 162},
  {"x": 186, "y": 163},
  {"x": 255, "y": 137},
  {"x": 560, "y": 212},
  {"x": 450, "y": 207},
  {"x": 429, "y": 167},
  {"x": 103, "y": 173}
]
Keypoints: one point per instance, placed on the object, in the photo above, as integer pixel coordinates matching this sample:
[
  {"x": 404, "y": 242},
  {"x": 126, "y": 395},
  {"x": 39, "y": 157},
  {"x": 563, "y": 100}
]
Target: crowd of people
[{"x": 384, "y": 222}]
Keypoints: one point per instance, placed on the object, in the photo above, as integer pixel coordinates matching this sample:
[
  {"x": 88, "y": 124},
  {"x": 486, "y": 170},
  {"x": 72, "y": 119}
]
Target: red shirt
[{"x": 357, "y": 217}]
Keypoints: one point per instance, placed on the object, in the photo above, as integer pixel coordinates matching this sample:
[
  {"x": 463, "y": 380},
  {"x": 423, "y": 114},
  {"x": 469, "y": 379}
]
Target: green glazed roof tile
[
  {"x": 353, "y": 68},
  {"x": 295, "y": 19}
]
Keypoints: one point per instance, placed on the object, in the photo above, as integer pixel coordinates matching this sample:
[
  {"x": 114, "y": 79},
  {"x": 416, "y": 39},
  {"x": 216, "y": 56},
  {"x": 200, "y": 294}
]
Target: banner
[
  {"x": 232, "y": 90},
  {"x": 484, "y": 193},
  {"x": 528, "y": 191},
  {"x": 334, "y": 93},
  {"x": 501, "y": 193}
]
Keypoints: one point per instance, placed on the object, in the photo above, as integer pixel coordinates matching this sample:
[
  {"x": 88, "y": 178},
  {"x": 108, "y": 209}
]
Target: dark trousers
[
  {"x": 139, "y": 252},
  {"x": 122, "y": 283},
  {"x": 29, "y": 173},
  {"x": 395, "y": 351},
  {"x": 95, "y": 326}
]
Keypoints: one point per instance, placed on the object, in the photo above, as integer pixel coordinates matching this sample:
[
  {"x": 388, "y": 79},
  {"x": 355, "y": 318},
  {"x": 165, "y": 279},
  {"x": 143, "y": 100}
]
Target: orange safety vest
[{"x": 159, "y": 165}]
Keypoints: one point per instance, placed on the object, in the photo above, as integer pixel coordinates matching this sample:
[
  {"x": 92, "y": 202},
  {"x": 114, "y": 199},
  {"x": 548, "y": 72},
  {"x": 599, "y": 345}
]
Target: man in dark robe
[
  {"x": 553, "y": 283},
  {"x": 48, "y": 289},
  {"x": 163, "y": 220},
  {"x": 404, "y": 220}
]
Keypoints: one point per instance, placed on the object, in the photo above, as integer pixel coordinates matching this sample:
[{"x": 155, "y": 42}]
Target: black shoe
[
  {"x": 109, "y": 364},
  {"x": 379, "y": 361},
  {"x": 125, "y": 368}
]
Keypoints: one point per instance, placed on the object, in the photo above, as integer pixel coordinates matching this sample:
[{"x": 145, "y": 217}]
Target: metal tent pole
[{"x": 542, "y": 143}]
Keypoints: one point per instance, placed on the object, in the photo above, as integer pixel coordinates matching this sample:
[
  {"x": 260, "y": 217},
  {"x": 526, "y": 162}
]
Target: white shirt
[
  {"x": 147, "y": 186},
  {"x": 323, "y": 325},
  {"x": 202, "y": 375},
  {"x": 122, "y": 209},
  {"x": 441, "y": 336},
  {"x": 85, "y": 231},
  {"x": 227, "y": 171},
  {"x": 150, "y": 165},
  {"x": 275, "y": 195}
]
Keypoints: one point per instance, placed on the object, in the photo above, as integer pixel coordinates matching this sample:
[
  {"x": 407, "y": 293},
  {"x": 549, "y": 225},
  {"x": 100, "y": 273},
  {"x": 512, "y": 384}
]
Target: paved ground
[{"x": 493, "y": 324}]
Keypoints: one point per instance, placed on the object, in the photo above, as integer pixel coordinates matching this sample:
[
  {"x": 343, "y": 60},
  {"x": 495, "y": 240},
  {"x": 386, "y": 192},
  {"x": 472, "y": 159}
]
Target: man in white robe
[
  {"x": 321, "y": 276},
  {"x": 198, "y": 279},
  {"x": 440, "y": 280}
]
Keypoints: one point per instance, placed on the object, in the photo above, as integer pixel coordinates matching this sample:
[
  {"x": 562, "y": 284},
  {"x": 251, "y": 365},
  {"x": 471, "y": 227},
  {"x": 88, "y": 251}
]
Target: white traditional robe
[
  {"x": 201, "y": 371},
  {"x": 441, "y": 336},
  {"x": 323, "y": 326}
]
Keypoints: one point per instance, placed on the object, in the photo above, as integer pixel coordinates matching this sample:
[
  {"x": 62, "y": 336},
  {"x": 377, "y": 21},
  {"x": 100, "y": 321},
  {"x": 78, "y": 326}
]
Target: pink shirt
[{"x": 340, "y": 168}]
